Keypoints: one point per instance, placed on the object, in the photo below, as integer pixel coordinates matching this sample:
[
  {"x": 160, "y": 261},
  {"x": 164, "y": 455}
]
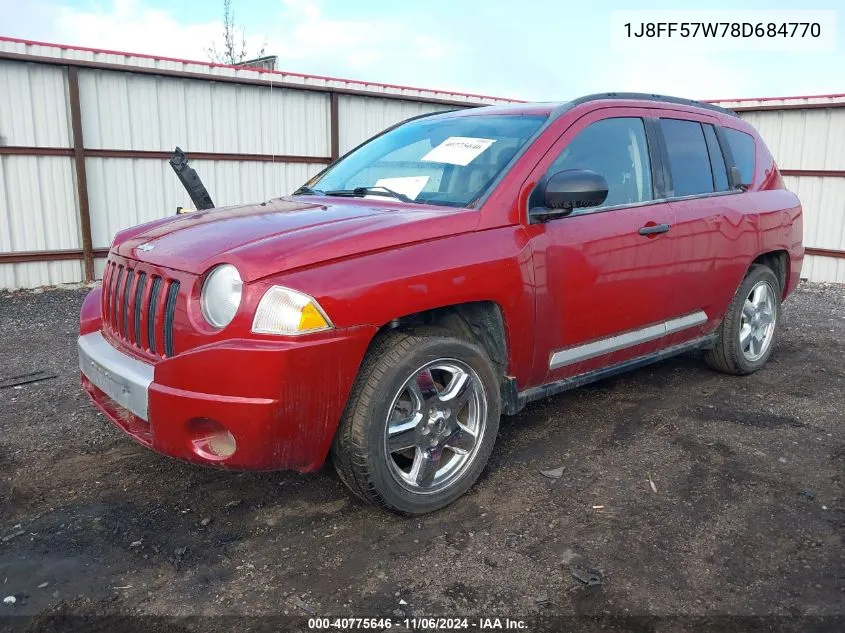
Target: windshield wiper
[
  {"x": 307, "y": 191},
  {"x": 360, "y": 192}
]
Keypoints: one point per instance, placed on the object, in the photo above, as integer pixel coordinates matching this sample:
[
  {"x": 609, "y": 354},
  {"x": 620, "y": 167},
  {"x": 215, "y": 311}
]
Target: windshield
[{"x": 449, "y": 161}]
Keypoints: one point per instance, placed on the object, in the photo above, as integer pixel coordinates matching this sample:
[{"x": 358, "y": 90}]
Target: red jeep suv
[{"x": 449, "y": 270}]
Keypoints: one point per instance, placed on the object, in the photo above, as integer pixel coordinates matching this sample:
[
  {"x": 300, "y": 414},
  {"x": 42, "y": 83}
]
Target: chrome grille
[{"x": 139, "y": 307}]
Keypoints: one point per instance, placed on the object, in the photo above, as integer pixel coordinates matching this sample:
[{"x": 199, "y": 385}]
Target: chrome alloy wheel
[
  {"x": 759, "y": 317},
  {"x": 435, "y": 426}
]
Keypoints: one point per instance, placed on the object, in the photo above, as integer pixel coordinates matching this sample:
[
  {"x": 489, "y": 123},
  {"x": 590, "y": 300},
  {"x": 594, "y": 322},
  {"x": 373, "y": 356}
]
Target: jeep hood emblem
[{"x": 146, "y": 247}]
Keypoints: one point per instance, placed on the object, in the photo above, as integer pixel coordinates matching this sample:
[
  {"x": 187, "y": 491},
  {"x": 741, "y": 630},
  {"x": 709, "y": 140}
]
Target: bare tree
[{"x": 233, "y": 50}]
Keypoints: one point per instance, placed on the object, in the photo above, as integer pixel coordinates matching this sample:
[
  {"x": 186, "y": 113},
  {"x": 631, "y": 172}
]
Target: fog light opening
[{"x": 211, "y": 440}]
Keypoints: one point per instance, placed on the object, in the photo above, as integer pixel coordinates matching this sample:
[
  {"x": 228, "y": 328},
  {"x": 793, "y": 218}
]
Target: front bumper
[
  {"x": 280, "y": 400},
  {"x": 122, "y": 378}
]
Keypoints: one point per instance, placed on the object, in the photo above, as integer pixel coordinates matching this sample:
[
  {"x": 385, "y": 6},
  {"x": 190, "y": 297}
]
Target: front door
[{"x": 604, "y": 275}]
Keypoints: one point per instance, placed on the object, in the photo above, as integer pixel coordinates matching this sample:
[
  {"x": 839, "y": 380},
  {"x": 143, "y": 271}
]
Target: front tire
[
  {"x": 420, "y": 422},
  {"x": 749, "y": 330}
]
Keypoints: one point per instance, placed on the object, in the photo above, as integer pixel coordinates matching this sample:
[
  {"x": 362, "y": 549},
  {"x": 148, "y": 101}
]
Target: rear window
[
  {"x": 689, "y": 160},
  {"x": 742, "y": 148}
]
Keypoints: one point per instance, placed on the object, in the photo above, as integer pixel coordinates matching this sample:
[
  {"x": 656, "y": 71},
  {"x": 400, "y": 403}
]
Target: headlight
[
  {"x": 221, "y": 295},
  {"x": 285, "y": 311}
]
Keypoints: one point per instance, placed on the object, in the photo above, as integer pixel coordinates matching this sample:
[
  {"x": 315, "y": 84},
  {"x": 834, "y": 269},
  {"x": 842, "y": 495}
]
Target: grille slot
[
  {"x": 124, "y": 304},
  {"x": 139, "y": 304},
  {"x": 151, "y": 313},
  {"x": 169, "y": 312},
  {"x": 108, "y": 276},
  {"x": 116, "y": 297},
  {"x": 136, "y": 316}
]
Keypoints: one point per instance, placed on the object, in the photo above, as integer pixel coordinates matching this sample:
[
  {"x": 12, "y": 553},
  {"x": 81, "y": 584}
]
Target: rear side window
[
  {"x": 742, "y": 148},
  {"x": 717, "y": 161},
  {"x": 689, "y": 160},
  {"x": 616, "y": 149}
]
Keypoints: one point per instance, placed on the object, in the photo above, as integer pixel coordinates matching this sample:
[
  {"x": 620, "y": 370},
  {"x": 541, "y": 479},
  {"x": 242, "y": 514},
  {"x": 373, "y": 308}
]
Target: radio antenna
[{"x": 273, "y": 138}]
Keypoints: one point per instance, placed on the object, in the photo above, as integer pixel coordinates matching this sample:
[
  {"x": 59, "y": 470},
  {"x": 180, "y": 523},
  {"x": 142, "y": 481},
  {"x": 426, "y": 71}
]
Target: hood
[{"x": 287, "y": 233}]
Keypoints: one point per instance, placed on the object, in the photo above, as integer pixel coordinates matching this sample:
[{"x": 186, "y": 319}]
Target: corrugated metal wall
[
  {"x": 809, "y": 147},
  {"x": 223, "y": 112},
  {"x": 273, "y": 130},
  {"x": 38, "y": 209},
  {"x": 775, "y": 102},
  {"x": 125, "y": 192},
  {"x": 42, "y": 49},
  {"x": 361, "y": 118},
  {"x": 34, "y": 99},
  {"x": 136, "y": 112},
  {"x": 37, "y": 213},
  {"x": 823, "y": 199},
  {"x": 812, "y": 140},
  {"x": 141, "y": 112}
]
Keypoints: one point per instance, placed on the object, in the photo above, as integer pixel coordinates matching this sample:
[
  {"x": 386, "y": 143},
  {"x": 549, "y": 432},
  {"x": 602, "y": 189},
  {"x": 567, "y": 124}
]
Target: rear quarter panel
[
  {"x": 773, "y": 212},
  {"x": 745, "y": 226}
]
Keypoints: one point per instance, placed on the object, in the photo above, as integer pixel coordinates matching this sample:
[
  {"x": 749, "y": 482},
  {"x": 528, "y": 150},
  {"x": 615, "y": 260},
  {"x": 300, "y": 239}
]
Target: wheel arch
[
  {"x": 779, "y": 262},
  {"x": 481, "y": 322}
]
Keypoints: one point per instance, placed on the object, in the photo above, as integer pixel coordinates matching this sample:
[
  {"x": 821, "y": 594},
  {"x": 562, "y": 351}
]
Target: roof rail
[{"x": 650, "y": 97}]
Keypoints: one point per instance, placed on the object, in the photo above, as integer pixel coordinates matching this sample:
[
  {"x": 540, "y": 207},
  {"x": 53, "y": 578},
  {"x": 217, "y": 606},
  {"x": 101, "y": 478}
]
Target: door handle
[{"x": 654, "y": 229}]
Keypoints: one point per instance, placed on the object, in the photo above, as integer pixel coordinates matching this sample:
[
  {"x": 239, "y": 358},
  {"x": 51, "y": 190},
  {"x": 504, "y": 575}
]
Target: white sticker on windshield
[
  {"x": 408, "y": 185},
  {"x": 458, "y": 150}
]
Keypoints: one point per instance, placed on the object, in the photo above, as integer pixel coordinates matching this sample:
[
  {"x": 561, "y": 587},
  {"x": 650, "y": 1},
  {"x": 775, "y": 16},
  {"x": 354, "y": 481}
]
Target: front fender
[{"x": 376, "y": 288}]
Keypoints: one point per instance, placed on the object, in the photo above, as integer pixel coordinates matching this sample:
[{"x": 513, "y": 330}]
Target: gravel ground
[{"x": 745, "y": 516}]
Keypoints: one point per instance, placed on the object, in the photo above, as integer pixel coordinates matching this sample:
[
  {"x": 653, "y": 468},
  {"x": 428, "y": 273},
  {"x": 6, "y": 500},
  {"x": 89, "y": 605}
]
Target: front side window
[
  {"x": 445, "y": 161},
  {"x": 742, "y": 148},
  {"x": 689, "y": 160},
  {"x": 617, "y": 150}
]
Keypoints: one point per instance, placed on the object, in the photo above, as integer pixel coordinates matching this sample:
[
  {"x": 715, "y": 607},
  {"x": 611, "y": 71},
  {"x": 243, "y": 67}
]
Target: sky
[{"x": 539, "y": 50}]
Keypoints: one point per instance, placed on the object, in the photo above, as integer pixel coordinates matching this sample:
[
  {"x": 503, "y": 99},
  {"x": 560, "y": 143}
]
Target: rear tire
[
  {"x": 749, "y": 331},
  {"x": 420, "y": 422}
]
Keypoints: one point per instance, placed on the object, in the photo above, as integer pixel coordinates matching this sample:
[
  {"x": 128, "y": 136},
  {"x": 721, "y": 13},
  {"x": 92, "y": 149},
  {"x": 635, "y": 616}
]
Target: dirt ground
[{"x": 747, "y": 518}]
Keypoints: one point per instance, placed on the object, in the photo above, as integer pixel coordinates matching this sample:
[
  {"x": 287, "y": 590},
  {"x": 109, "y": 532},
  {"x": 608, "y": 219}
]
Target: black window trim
[
  {"x": 726, "y": 150},
  {"x": 660, "y": 173},
  {"x": 578, "y": 213},
  {"x": 726, "y": 154},
  {"x": 661, "y": 158},
  {"x": 582, "y": 212},
  {"x": 710, "y": 156}
]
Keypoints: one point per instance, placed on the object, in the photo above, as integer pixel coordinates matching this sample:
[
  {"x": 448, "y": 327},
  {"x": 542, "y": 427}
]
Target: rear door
[
  {"x": 603, "y": 274},
  {"x": 707, "y": 220}
]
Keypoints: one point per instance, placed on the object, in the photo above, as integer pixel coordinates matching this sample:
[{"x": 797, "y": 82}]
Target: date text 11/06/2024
[{"x": 422, "y": 624}]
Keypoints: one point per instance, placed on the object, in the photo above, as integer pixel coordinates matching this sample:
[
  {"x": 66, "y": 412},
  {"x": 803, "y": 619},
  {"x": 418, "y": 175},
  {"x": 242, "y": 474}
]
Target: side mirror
[{"x": 567, "y": 190}]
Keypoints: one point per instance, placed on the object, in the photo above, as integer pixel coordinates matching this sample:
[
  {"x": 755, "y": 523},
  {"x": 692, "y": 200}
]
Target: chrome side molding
[{"x": 604, "y": 346}]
